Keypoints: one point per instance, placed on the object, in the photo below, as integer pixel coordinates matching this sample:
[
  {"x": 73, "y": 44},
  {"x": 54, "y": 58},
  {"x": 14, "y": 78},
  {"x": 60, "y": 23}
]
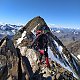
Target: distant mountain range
[
  {"x": 64, "y": 34},
  {"x": 8, "y": 29}
]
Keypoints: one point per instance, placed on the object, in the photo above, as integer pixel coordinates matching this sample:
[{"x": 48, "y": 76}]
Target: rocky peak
[
  {"x": 25, "y": 37},
  {"x": 22, "y": 62},
  {"x": 26, "y": 31}
]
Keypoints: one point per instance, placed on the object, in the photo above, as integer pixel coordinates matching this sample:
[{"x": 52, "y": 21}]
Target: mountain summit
[{"x": 27, "y": 58}]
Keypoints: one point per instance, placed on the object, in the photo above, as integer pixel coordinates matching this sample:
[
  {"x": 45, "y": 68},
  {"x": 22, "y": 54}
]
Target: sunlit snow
[
  {"x": 51, "y": 55},
  {"x": 58, "y": 31},
  {"x": 58, "y": 47},
  {"x": 78, "y": 56},
  {"x": 33, "y": 30},
  {"x": 22, "y": 37}
]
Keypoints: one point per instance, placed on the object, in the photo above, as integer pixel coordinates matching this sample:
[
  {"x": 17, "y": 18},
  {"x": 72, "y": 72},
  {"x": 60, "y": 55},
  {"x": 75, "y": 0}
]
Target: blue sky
[{"x": 59, "y": 12}]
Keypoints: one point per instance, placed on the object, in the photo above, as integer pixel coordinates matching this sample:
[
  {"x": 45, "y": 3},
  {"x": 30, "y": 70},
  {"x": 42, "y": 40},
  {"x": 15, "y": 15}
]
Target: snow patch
[
  {"x": 58, "y": 47},
  {"x": 75, "y": 32},
  {"x": 66, "y": 59},
  {"x": 74, "y": 56},
  {"x": 33, "y": 31},
  {"x": 51, "y": 55},
  {"x": 9, "y": 33},
  {"x": 13, "y": 31},
  {"x": 78, "y": 56},
  {"x": 22, "y": 37},
  {"x": 58, "y": 31}
]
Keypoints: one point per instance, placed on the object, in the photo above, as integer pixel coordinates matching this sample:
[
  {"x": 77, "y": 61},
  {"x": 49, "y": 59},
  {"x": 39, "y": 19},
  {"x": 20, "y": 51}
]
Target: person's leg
[
  {"x": 47, "y": 60},
  {"x": 40, "y": 58},
  {"x": 41, "y": 54}
]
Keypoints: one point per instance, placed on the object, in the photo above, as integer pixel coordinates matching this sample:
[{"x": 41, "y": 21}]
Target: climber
[{"x": 42, "y": 45}]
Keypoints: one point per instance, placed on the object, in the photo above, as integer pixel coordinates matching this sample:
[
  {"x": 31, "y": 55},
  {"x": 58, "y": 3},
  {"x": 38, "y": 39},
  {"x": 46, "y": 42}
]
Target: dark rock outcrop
[
  {"x": 8, "y": 60},
  {"x": 12, "y": 65}
]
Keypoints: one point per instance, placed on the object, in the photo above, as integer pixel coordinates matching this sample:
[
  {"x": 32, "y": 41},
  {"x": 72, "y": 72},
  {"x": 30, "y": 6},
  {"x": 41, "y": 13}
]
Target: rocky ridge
[
  {"x": 17, "y": 67},
  {"x": 26, "y": 59}
]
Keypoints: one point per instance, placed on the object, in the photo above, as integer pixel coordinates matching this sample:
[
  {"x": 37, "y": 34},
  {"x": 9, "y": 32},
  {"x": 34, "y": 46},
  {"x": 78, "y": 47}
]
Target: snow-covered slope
[
  {"x": 8, "y": 29},
  {"x": 58, "y": 60}
]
